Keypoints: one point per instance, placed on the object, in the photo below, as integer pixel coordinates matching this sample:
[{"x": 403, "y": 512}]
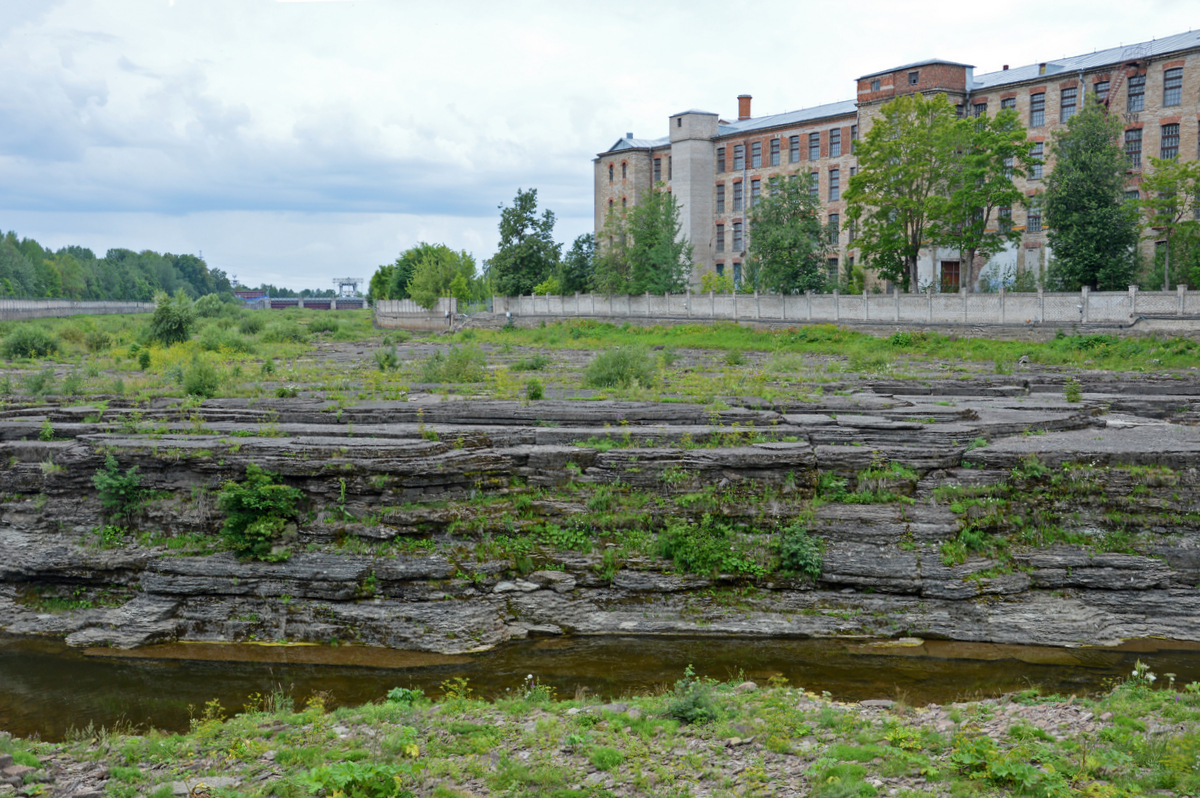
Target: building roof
[
  {"x": 843, "y": 108},
  {"x": 1079, "y": 63},
  {"x": 637, "y": 144},
  {"x": 926, "y": 62}
]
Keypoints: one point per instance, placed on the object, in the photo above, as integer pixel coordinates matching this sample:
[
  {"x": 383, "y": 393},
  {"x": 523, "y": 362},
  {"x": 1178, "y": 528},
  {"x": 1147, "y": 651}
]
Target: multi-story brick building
[{"x": 716, "y": 169}]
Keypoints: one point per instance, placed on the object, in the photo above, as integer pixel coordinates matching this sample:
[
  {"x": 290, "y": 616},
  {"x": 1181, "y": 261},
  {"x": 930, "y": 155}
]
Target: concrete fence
[
  {"x": 1043, "y": 307},
  {"x": 17, "y": 309},
  {"x": 311, "y": 303},
  {"x": 405, "y": 314}
]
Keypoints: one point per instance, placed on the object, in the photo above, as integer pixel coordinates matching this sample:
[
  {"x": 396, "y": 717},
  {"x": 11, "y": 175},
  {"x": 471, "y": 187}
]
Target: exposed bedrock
[{"x": 1006, "y": 514}]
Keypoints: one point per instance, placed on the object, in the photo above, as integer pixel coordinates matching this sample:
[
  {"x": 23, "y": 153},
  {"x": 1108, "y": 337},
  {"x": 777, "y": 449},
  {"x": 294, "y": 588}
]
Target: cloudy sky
[{"x": 292, "y": 141}]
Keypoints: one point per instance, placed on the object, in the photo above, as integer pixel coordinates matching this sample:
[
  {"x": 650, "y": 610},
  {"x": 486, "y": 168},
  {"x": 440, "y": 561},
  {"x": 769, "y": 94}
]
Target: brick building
[{"x": 717, "y": 168}]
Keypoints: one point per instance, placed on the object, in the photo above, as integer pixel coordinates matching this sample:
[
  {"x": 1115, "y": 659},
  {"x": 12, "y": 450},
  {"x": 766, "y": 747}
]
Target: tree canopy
[
  {"x": 426, "y": 272},
  {"x": 643, "y": 248},
  {"x": 1171, "y": 201},
  {"x": 1092, "y": 229},
  {"x": 527, "y": 253},
  {"x": 788, "y": 242}
]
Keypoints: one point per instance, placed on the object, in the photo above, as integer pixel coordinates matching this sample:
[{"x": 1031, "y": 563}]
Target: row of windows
[
  {"x": 814, "y": 188},
  {"x": 1168, "y": 144},
  {"x": 774, "y": 152},
  {"x": 1068, "y": 104},
  {"x": 738, "y": 242}
]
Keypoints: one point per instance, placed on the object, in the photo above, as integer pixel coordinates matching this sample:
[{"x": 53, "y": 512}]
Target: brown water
[{"x": 46, "y": 688}]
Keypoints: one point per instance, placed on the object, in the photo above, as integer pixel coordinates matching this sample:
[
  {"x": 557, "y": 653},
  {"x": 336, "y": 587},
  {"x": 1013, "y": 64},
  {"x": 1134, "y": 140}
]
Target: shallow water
[{"x": 47, "y": 689}]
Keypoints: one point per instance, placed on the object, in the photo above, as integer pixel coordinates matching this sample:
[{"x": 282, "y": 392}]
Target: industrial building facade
[{"x": 717, "y": 169}]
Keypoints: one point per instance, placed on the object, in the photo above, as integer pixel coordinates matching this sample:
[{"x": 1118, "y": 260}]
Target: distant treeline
[{"x": 28, "y": 270}]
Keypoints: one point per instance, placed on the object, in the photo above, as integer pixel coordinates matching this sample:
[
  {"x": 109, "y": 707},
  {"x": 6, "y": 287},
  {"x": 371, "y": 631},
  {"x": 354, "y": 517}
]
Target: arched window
[
  {"x": 623, "y": 165},
  {"x": 610, "y": 173},
  {"x": 622, "y": 202}
]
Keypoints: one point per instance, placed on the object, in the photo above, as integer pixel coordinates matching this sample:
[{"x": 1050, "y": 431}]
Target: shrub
[
  {"x": 120, "y": 494},
  {"x": 800, "y": 552},
  {"x": 460, "y": 364},
  {"x": 534, "y": 390},
  {"x": 39, "y": 383},
  {"x": 705, "y": 548},
  {"x": 257, "y": 510},
  {"x": 251, "y": 325},
  {"x": 30, "y": 341},
  {"x": 173, "y": 319},
  {"x": 97, "y": 341},
  {"x": 387, "y": 359},
  {"x": 284, "y": 332},
  {"x": 323, "y": 324},
  {"x": 214, "y": 339},
  {"x": 143, "y": 358},
  {"x": 692, "y": 699},
  {"x": 72, "y": 384},
  {"x": 1072, "y": 390},
  {"x": 201, "y": 379},
  {"x": 209, "y": 306},
  {"x": 620, "y": 368},
  {"x": 534, "y": 363}
]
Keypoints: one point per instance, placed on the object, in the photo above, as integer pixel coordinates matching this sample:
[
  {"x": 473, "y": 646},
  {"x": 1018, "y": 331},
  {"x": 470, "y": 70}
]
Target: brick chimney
[{"x": 744, "y": 107}]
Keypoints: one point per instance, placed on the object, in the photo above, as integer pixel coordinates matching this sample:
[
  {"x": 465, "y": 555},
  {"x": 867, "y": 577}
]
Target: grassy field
[{"x": 696, "y": 738}]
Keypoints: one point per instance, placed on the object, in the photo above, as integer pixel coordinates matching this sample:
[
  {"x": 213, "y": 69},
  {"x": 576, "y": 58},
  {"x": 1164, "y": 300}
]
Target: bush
[
  {"x": 534, "y": 390},
  {"x": 97, "y": 341},
  {"x": 143, "y": 359},
  {"x": 251, "y": 325},
  {"x": 460, "y": 364},
  {"x": 30, "y": 341},
  {"x": 39, "y": 383},
  {"x": 387, "y": 359},
  {"x": 173, "y": 319},
  {"x": 692, "y": 700},
  {"x": 620, "y": 368},
  {"x": 705, "y": 548},
  {"x": 120, "y": 494},
  {"x": 209, "y": 306},
  {"x": 257, "y": 512},
  {"x": 201, "y": 379},
  {"x": 284, "y": 332},
  {"x": 534, "y": 363},
  {"x": 800, "y": 552},
  {"x": 214, "y": 339},
  {"x": 323, "y": 324}
]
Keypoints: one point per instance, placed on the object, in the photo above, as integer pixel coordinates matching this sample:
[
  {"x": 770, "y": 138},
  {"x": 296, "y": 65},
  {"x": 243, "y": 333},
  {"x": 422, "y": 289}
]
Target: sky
[{"x": 296, "y": 141}]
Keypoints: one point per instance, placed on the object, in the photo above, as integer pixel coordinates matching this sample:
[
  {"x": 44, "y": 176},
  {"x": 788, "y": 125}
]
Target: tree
[
  {"x": 904, "y": 166},
  {"x": 610, "y": 273},
  {"x": 575, "y": 271},
  {"x": 1092, "y": 229},
  {"x": 660, "y": 258},
  {"x": 987, "y": 152},
  {"x": 435, "y": 273},
  {"x": 788, "y": 243},
  {"x": 1171, "y": 201},
  {"x": 173, "y": 318},
  {"x": 527, "y": 253}
]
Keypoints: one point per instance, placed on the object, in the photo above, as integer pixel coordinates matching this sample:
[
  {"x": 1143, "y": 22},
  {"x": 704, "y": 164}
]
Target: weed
[{"x": 257, "y": 511}]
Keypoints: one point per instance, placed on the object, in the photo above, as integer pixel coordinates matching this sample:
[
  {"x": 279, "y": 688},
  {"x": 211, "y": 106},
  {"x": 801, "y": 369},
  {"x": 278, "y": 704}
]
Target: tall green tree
[
  {"x": 660, "y": 258},
  {"x": 1171, "y": 201},
  {"x": 788, "y": 242},
  {"x": 905, "y": 162},
  {"x": 527, "y": 253},
  {"x": 987, "y": 153},
  {"x": 610, "y": 272},
  {"x": 575, "y": 271},
  {"x": 1093, "y": 231}
]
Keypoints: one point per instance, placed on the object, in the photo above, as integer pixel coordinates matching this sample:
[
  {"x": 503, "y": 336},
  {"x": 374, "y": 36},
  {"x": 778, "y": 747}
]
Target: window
[
  {"x": 914, "y": 78},
  {"x": 1133, "y": 147},
  {"x": 1035, "y": 161},
  {"x": 850, "y": 231},
  {"x": 737, "y": 237},
  {"x": 875, "y": 84},
  {"x": 755, "y": 190},
  {"x": 737, "y": 195},
  {"x": 979, "y": 109},
  {"x": 835, "y": 142},
  {"x": 1173, "y": 86},
  {"x": 623, "y": 201},
  {"x": 814, "y": 184},
  {"x": 774, "y": 152},
  {"x": 739, "y": 157},
  {"x": 1066, "y": 107},
  {"x": 1008, "y": 103},
  {"x": 1169, "y": 142},
  {"x": 794, "y": 149},
  {"x": 1101, "y": 89},
  {"x": 720, "y": 159},
  {"x": 814, "y": 146},
  {"x": 831, "y": 269},
  {"x": 668, "y": 167},
  {"x": 835, "y": 188},
  {"x": 1033, "y": 220},
  {"x": 623, "y": 168},
  {"x": 1132, "y": 195},
  {"x": 720, "y": 198},
  {"x": 1037, "y": 109},
  {"x": 1004, "y": 218},
  {"x": 756, "y": 155},
  {"x": 657, "y": 170},
  {"x": 834, "y": 224},
  {"x": 720, "y": 238},
  {"x": 951, "y": 273},
  {"x": 610, "y": 173},
  {"x": 610, "y": 206},
  {"x": 737, "y": 275},
  {"x": 1137, "y": 93},
  {"x": 1008, "y": 167},
  {"x": 720, "y": 268},
  {"x": 853, "y": 138},
  {"x": 853, "y": 171}
]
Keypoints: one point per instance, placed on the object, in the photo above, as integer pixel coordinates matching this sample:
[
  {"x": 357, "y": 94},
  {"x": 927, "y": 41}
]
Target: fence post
[
  {"x": 1182, "y": 291},
  {"x": 712, "y": 304},
  {"x": 929, "y": 304},
  {"x": 734, "y": 297},
  {"x": 837, "y": 306},
  {"x": 896, "y": 292},
  {"x": 808, "y": 296},
  {"x": 962, "y": 289},
  {"x": 1041, "y": 305},
  {"x": 1003, "y": 296},
  {"x": 1133, "y": 292},
  {"x": 687, "y": 299},
  {"x": 1084, "y": 302},
  {"x": 757, "y": 306}
]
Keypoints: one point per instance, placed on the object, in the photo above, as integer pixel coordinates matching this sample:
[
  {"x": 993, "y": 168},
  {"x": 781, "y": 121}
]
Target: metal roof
[
  {"x": 843, "y": 108},
  {"x": 637, "y": 144},
  {"x": 1113, "y": 56}
]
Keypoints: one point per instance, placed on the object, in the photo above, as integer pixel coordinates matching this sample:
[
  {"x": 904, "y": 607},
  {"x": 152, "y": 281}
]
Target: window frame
[
  {"x": 1008, "y": 104},
  {"x": 756, "y": 155},
  {"x": 658, "y": 170},
  {"x": 720, "y": 243},
  {"x": 1133, "y": 147},
  {"x": 721, "y": 159},
  {"x": 739, "y": 157},
  {"x": 814, "y": 146},
  {"x": 739, "y": 198},
  {"x": 794, "y": 149},
  {"x": 1168, "y": 141},
  {"x": 720, "y": 198},
  {"x": 1136, "y": 100},
  {"x": 1037, "y": 156},
  {"x": 814, "y": 184},
  {"x": 755, "y": 191},
  {"x": 1037, "y": 109},
  {"x": 1172, "y": 86},
  {"x": 835, "y": 142},
  {"x": 739, "y": 239},
  {"x": 834, "y": 226},
  {"x": 1067, "y": 110},
  {"x": 835, "y": 184},
  {"x": 773, "y": 158}
]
